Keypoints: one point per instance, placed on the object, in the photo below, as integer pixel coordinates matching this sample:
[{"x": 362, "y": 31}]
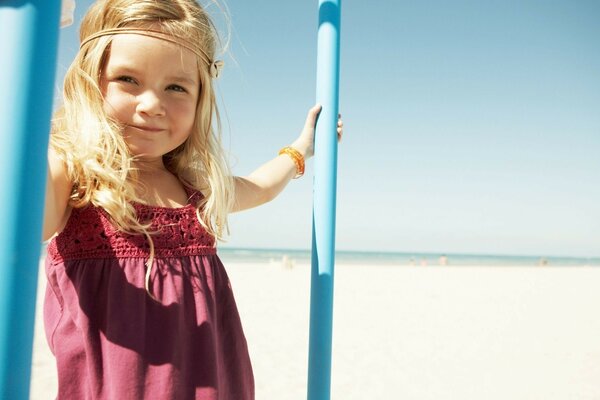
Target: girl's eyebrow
[
  {"x": 182, "y": 79},
  {"x": 125, "y": 69}
]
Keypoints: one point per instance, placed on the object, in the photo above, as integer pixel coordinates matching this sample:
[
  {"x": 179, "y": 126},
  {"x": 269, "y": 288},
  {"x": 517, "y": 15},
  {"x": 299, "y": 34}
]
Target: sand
[{"x": 518, "y": 333}]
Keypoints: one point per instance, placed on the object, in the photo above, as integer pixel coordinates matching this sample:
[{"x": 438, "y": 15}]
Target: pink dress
[{"x": 112, "y": 341}]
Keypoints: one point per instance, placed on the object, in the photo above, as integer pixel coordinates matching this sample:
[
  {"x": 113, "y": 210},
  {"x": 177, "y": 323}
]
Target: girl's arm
[
  {"x": 58, "y": 190},
  {"x": 58, "y": 185},
  {"x": 266, "y": 182}
]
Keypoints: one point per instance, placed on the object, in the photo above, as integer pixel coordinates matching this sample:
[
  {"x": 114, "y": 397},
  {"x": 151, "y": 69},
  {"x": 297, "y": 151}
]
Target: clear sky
[{"x": 470, "y": 127}]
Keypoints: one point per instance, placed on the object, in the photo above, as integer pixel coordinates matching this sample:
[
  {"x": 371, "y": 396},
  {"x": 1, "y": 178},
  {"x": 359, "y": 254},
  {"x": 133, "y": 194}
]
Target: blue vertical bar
[
  {"x": 28, "y": 45},
  {"x": 324, "y": 201}
]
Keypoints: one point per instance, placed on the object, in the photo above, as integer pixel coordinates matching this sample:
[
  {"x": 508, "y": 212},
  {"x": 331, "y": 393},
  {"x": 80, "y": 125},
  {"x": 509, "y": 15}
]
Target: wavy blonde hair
[{"x": 90, "y": 143}]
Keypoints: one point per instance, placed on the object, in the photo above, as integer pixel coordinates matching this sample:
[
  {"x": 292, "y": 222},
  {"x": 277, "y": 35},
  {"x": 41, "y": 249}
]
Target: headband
[{"x": 214, "y": 66}]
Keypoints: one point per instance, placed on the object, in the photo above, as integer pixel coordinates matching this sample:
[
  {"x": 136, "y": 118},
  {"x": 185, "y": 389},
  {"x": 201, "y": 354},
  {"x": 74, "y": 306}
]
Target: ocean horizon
[
  {"x": 352, "y": 257},
  {"x": 243, "y": 254}
]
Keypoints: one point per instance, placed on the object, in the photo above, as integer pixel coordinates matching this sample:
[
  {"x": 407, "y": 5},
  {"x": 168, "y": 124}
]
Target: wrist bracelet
[{"x": 296, "y": 157}]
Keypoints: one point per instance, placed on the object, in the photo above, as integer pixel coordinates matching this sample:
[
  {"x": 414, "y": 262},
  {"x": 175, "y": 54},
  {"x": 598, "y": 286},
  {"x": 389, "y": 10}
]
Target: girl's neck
[
  {"x": 150, "y": 166},
  {"x": 158, "y": 186}
]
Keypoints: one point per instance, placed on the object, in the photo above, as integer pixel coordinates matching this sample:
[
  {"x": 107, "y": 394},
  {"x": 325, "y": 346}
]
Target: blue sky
[{"x": 470, "y": 127}]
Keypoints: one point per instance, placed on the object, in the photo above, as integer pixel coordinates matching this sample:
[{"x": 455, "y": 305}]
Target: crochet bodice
[{"x": 89, "y": 233}]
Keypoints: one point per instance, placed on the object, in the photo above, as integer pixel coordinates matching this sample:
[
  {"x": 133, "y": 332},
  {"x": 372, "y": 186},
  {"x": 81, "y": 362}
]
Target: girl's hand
[
  {"x": 304, "y": 143},
  {"x": 66, "y": 13},
  {"x": 268, "y": 180}
]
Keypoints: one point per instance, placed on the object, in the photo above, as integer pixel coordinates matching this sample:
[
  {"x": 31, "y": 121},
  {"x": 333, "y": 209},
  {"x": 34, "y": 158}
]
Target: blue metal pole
[
  {"x": 324, "y": 201},
  {"x": 28, "y": 45}
]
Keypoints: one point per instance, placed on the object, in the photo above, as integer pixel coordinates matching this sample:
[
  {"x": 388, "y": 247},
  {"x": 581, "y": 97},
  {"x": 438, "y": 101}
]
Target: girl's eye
[
  {"x": 127, "y": 79},
  {"x": 177, "y": 88}
]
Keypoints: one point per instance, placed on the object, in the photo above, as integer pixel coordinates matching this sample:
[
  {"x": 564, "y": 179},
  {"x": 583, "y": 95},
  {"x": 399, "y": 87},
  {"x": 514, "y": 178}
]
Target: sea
[{"x": 347, "y": 257}]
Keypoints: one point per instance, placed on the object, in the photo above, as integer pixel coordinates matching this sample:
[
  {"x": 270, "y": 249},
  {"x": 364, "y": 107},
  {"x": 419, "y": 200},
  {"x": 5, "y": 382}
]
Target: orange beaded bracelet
[{"x": 296, "y": 157}]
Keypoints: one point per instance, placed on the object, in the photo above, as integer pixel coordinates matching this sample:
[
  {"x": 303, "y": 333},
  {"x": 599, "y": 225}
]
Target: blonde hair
[{"x": 91, "y": 144}]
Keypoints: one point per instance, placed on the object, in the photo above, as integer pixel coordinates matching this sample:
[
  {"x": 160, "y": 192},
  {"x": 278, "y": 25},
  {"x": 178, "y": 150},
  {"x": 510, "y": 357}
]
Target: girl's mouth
[{"x": 146, "y": 128}]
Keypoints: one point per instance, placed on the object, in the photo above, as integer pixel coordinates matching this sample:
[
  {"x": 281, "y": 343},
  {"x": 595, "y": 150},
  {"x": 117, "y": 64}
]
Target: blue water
[{"x": 229, "y": 254}]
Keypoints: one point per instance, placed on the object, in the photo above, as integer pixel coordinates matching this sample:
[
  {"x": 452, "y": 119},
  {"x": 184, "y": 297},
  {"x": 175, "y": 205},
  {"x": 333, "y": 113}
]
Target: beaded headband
[{"x": 215, "y": 66}]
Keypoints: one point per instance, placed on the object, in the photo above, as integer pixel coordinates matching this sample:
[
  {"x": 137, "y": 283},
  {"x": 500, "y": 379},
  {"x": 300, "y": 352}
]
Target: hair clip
[{"x": 215, "y": 68}]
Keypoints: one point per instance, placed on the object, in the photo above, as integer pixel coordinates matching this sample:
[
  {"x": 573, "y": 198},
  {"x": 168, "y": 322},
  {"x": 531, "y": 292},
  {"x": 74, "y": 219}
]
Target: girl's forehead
[{"x": 149, "y": 52}]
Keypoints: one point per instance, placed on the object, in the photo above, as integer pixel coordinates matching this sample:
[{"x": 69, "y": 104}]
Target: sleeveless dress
[{"x": 112, "y": 341}]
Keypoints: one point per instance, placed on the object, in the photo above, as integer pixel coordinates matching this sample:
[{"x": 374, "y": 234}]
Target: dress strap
[{"x": 194, "y": 195}]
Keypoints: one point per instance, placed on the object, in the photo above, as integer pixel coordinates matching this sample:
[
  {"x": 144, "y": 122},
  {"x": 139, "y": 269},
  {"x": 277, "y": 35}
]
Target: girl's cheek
[
  {"x": 108, "y": 108},
  {"x": 186, "y": 109},
  {"x": 116, "y": 104}
]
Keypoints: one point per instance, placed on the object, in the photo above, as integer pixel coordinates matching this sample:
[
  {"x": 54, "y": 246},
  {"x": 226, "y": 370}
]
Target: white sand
[{"x": 518, "y": 333}]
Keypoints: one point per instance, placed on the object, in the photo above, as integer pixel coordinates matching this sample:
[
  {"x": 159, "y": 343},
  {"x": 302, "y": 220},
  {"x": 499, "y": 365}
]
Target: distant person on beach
[
  {"x": 443, "y": 260},
  {"x": 138, "y": 304}
]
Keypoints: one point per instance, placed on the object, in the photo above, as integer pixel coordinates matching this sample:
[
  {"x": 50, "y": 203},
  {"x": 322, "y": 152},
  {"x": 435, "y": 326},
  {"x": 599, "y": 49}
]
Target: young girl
[{"x": 138, "y": 304}]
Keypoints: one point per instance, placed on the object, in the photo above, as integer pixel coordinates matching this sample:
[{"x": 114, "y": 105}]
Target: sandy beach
[{"x": 400, "y": 332}]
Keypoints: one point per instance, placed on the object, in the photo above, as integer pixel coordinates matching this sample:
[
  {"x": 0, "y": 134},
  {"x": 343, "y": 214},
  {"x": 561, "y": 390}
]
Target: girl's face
[{"x": 151, "y": 87}]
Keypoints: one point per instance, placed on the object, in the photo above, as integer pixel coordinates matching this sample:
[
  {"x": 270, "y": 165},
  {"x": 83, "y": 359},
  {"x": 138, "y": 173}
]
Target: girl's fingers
[
  {"x": 313, "y": 114},
  {"x": 311, "y": 118}
]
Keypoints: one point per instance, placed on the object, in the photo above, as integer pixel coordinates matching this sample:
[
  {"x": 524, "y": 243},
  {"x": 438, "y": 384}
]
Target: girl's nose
[{"x": 149, "y": 103}]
